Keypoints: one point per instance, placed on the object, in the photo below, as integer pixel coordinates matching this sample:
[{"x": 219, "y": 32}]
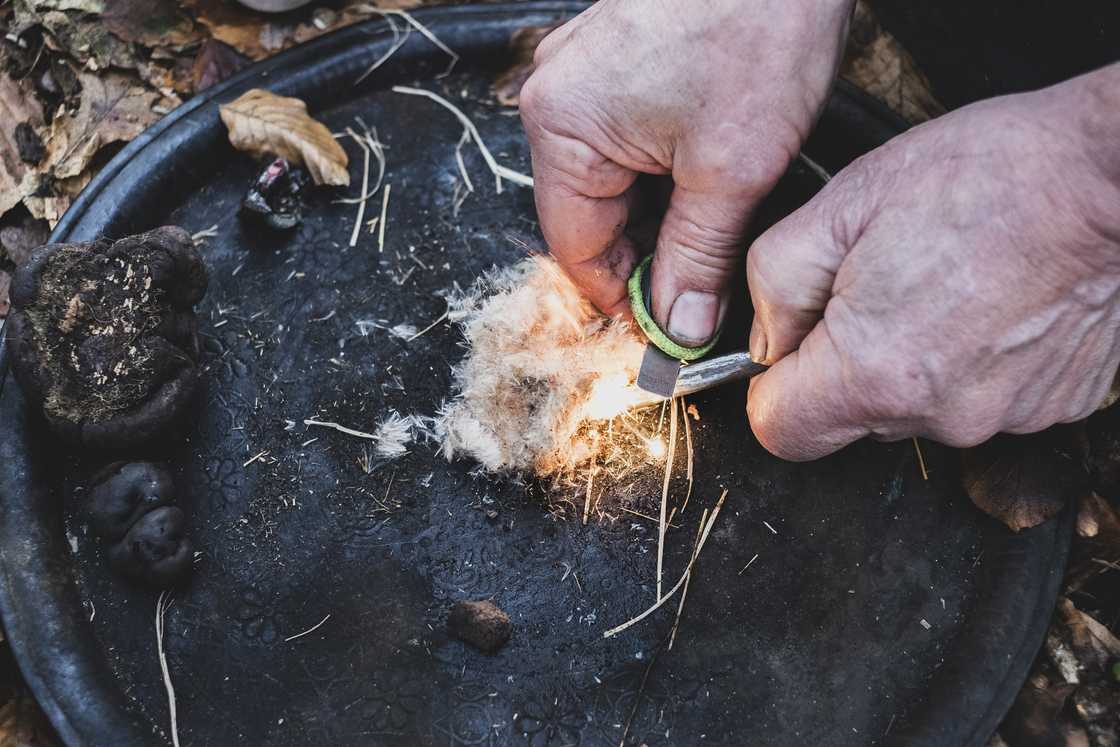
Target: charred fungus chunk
[
  {"x": 122, "y": 493},
  {"x": 155, "y": 551},
  {"x": 481, "y": 624},
  {"x": 276, "y": 197},
  {"x": 104, "y": 337}
]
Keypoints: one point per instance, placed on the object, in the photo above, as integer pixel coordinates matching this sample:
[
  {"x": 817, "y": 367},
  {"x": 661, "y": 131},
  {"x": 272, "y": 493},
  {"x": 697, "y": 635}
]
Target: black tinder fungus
[
  {"x": 122, "y": 493},
  {"x": 104, "y": 336},
  {"x": 276, "y": 197},
  {"x": 155, "y": 551},
  {"x": 481, "y": 624}
]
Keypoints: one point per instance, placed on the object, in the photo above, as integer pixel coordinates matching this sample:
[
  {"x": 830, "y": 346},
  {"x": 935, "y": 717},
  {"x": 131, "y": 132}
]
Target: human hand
[
  {"x": 962, "y": 280},
  {"x": 719, "y": 95}
]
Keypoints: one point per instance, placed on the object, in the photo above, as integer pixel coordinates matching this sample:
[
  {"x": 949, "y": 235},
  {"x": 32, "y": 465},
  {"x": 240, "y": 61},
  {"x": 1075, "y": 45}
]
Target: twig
[
  {"x": 501, "y": 172},
  {"x": 637, "y": 701},
  {"x": 381, "y": 222},
  {"x": 398, "y": 42},
  {"x": 684, "y": 591},
  {"x": 365, "y": 186},
  {"x": 207, "y": 233},
  {"x": 587, "y": 497},
  {"x": 921, "y": 459},
  {"x": 748, "y": 565},
  {"x": 258, "y": 456},
  {"x": 427, "y": 34},
  {"x": 665, "y": 491},
  {"x": 657, "y": 605},
  {"x": 815, "y": 167},
  {"x": 431, "y": 326},
  {"x": 367, "y": 140},
  {"x": 459, "y": 158},
  {"x": 310, "y": 630},
  {"x": 162, "y": 603},
  {"x": 772, "y": 529},
  {"x": 688, "y": 443},
  {"x": 341, "y": 429},
  {"x": 647, "y": 517}
]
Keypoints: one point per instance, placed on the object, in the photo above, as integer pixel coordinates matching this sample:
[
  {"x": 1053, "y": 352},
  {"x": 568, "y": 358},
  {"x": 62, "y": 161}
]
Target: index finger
[{"x": 583, "y": 207}]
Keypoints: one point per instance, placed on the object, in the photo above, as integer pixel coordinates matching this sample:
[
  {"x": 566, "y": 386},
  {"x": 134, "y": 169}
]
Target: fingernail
[
  {"x": 693, "y": 318},
  {"x": 758, "y": 342}
]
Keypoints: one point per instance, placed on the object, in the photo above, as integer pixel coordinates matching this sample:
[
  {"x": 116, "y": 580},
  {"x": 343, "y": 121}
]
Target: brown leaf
[
  {"x": 19, "y": 239},
  {"x": 523, "y": 43},
  {"x": 260, "y": 122},
  {"x": 114, "y": 107},
  {"x": 151, "y": 23},
  {"x": 215, "y": 62},
  {"x": 877, "y": 63},
  {"x": 1025, "y": 480},
  {"x": 256, "y": 35},
  {"x": 1097, "y": 545},
  {"x": 85, "y": 39},
  {"x": 23, "y": 724},
  {"x": 1091, "y": 643},
  {"x": 1035, "y": 719},
  {"x": 17, "y": 105}
]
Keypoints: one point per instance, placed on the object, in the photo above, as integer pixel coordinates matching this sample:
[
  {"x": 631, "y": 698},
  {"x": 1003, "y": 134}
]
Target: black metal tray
[{"x": 821, "y": 641}]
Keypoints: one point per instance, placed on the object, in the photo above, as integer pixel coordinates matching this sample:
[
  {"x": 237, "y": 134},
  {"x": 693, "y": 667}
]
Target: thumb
[
  {"x": 805, "y": 406},
  {"x": 699, "y": 247}
]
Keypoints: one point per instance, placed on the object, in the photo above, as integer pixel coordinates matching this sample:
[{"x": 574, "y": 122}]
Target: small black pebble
[
  {"x": 29, "y": 144},
  {"x": 155, "y": 551},
  {"x": 122, "y": 493},
  {"x": 481, "y": 624}
]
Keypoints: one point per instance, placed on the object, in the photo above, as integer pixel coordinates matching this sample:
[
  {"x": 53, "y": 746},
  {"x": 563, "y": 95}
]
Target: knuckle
[
  {"x": 896, "y": 386},
  {"x": 534, "y": 99}
]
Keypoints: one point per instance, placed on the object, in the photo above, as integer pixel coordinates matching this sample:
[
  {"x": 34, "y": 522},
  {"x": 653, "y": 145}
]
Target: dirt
[{"x": 481, "y": 624}]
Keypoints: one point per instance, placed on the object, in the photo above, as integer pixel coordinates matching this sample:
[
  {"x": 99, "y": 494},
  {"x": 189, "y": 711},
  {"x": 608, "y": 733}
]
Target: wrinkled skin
[
  {"x": 719, "y": 97},
  {"x": 960, "y": 281}
]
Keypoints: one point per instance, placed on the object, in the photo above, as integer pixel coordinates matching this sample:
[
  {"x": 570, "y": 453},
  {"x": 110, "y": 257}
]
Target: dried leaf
[
  {"x": 86, "y": 6},
  {"x": 1035, "y": 719},
  {"x": 17, "y": 105},
  {"x": 260, "y": 122},
  {"x": 1113, "y": 395},
  {"x": 1025, "y": 480},
  {"x": 877, "y": 63},
  {"x": 114, "y": 108},
  {"x": 19, "y": 239},
  {"x": 5, "y": 284},
  {"x": 1091, "y": 643},
  {"x": 523, "y": 44},
  {"x": 255, "y": 35},
  {"x": 215, "y": 62},
  {"x": 23, "y": 724},
  {"x": 1098, "y": 543},
  {"x": 151, "y": 23},
  {"x": 85, "y": 39}
]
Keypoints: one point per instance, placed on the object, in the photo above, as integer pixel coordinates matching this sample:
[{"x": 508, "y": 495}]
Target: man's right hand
[{"x": 719, "y": 95}]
